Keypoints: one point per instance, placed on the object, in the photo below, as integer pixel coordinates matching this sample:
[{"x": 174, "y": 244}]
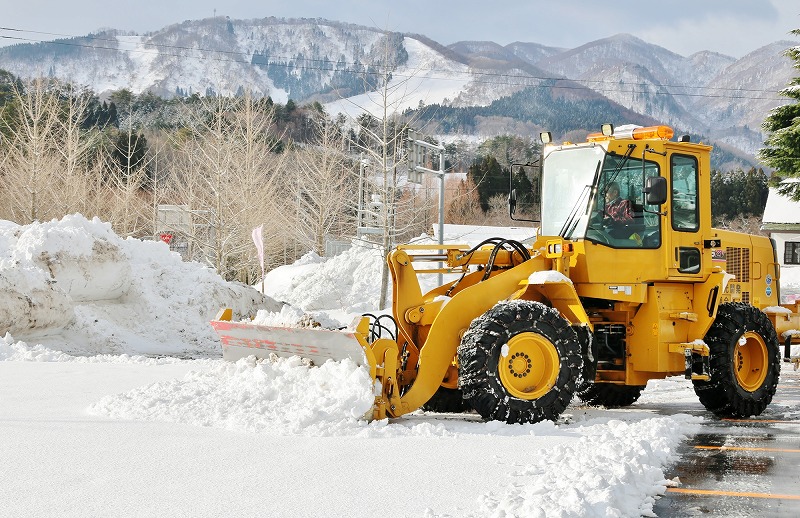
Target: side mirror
[
  {"x": 512, "y": 202},
  {"x": 655, "y": 188}
]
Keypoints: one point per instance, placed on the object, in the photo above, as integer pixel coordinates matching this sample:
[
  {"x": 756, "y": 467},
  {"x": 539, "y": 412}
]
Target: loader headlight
[{"x": 557, "y": 248}]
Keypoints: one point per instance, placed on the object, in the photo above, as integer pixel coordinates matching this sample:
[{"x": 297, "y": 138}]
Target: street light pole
[{"x": 416, "y": 168}]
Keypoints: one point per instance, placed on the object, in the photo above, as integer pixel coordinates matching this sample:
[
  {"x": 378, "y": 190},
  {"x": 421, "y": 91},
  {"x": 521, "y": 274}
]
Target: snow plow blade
[{"x": 242, "y": 339}]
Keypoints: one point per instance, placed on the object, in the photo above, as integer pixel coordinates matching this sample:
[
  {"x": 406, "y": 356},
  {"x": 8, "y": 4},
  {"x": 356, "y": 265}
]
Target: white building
[{"x": 782, "y": 221}]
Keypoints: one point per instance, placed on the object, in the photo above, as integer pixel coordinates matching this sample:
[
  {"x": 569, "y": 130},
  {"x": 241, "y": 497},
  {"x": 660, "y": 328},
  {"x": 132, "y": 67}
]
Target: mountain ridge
[{"x": 339, "y": 63}]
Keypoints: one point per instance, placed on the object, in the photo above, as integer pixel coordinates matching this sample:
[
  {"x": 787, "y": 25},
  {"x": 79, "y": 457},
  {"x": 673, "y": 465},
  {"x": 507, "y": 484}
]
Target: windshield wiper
[
  {"x": 572, "y": 218},
  {"x": 618, "y": 169}
]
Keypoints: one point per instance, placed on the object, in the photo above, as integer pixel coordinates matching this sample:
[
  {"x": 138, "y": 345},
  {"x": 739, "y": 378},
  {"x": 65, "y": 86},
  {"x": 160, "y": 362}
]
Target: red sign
[{"x": 166, "y": 238}]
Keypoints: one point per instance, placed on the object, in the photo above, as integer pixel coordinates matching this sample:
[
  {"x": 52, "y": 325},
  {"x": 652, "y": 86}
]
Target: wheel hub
[
  {"x": 750, "y": 359},
  {"x": 519, "y": 365},
  {"x": 529, "y": 366}
]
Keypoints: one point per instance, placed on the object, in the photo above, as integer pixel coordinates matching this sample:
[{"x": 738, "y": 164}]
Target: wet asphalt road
[{"x": 741, "y": 468}]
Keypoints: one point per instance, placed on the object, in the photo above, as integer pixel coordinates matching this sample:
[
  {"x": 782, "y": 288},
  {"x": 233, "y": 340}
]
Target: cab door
[{"x": 684, "y": 216}]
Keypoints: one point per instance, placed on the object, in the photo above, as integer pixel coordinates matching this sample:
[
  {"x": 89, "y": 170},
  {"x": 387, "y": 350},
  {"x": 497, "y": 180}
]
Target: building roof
[{"x": 781, "y": 210}]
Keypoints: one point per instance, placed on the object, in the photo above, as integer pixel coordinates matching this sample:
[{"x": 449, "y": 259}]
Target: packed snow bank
[
  {"x": 19, "y": 351},
  {"x": 614, "y": 469},
  {"x": 75, "y": 284},
  {"x": 282, "y": 397}
]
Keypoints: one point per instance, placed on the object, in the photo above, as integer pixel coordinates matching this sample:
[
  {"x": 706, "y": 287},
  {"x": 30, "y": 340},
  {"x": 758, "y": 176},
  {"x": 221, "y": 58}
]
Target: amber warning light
[{"x": 636, "y": 133}]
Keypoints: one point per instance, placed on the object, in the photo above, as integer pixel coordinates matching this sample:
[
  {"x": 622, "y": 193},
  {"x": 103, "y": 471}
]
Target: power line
[{"x": 328, "y": 64}]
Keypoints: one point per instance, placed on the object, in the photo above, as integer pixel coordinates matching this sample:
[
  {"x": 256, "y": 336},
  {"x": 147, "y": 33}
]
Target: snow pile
[
  {"x": 349, "y": 281},
  {"x": 280, "y": 397},
  {"x": 75, "y": 281},
  {"x": 614, "y": 469},
  {"x": 346, "y": 285},
  {"x": 19, "y": 351}
]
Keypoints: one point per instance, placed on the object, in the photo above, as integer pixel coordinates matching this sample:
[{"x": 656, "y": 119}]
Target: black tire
[
  {"x": 447, "y": 401},
  {"x": 608, "y": 394},
  {"x": 745, "y": 362},
  {"x": 541, "y": 361}
]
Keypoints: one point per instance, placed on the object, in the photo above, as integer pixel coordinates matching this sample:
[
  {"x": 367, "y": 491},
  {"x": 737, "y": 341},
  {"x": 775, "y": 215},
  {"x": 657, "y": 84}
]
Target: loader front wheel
[
  {"x": 519, "y": 363},
  {"x": 744, "y": 360}
]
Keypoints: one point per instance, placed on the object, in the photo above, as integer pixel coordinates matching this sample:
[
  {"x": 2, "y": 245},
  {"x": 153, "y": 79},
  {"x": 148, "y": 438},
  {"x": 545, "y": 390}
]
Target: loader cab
[
  {"x": 633, "y": 190},
  {"x": 597, "y": 194}
]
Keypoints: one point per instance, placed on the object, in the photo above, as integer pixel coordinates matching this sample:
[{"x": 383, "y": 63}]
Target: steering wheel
[
  {"x": 650, "y": 219},
  {"x": 598, "y": 235}
]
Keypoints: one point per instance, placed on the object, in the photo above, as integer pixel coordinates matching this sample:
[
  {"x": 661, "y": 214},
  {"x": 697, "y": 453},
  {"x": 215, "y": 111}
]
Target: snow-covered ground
[{"x": 114, "y": 401}]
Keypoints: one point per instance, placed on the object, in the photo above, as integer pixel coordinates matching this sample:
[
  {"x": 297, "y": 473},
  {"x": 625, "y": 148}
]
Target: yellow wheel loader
[{"x": 626, "y": 282}]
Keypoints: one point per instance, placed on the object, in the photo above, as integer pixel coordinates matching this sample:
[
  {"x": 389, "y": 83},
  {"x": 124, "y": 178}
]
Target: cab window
[
  {"x": 620, "y": 217},
  {"x": 685, "y": 216}
]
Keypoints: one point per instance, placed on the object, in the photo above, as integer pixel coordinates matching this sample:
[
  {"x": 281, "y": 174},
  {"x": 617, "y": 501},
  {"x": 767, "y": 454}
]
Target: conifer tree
[
  {"x": 782, "y": 147},
  {"x": 490, "y": 179}
]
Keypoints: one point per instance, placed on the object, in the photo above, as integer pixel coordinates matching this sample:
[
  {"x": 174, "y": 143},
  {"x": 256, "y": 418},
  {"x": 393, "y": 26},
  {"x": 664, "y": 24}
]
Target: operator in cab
[{"x": 617, "y": 214}]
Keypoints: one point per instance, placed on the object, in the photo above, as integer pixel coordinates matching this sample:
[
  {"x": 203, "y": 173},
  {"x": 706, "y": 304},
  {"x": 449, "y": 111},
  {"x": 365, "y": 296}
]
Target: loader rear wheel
[
  {"x": 744, "y": 361},
  {"x": 519, "y": 362},
  {"x": 609, "y": 395},
  {"x": 447, "y": 400}
]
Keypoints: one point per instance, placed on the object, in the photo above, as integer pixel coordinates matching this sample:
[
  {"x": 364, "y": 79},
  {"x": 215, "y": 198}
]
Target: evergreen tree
[
  {"x": 527, "y": 192},
  {"x": 111, "y": 118},
  {"x": 489, "y": 178},
  {"x": 738, "y": 193},
  {"x": 128, "y": 154},
  {"x": 7, "y": 84},
  {"x": 782, "y": 147}
]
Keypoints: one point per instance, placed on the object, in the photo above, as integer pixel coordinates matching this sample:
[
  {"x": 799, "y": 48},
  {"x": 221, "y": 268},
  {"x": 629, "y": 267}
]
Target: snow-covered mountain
[
  {"x": 706, "y": 93},
  {"x": 339, "y": 64}
]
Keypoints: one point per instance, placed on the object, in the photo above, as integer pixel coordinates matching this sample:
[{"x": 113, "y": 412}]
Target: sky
[{"x": 732, "y": 27}]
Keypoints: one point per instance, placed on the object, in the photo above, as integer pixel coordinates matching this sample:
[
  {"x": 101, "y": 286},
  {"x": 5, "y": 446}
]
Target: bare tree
[
  {"x": 32, "y": 155},
  {"x": 381, "y": 131},
  {"x": 323, "y": 187},
  {"x": 229, "y": 178},
  {"x": 747, "y": 224},
  {"x": 463, "y": 204},
  {"x": 49, "y": 164},
  {"x": 78, "y": 149}
]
